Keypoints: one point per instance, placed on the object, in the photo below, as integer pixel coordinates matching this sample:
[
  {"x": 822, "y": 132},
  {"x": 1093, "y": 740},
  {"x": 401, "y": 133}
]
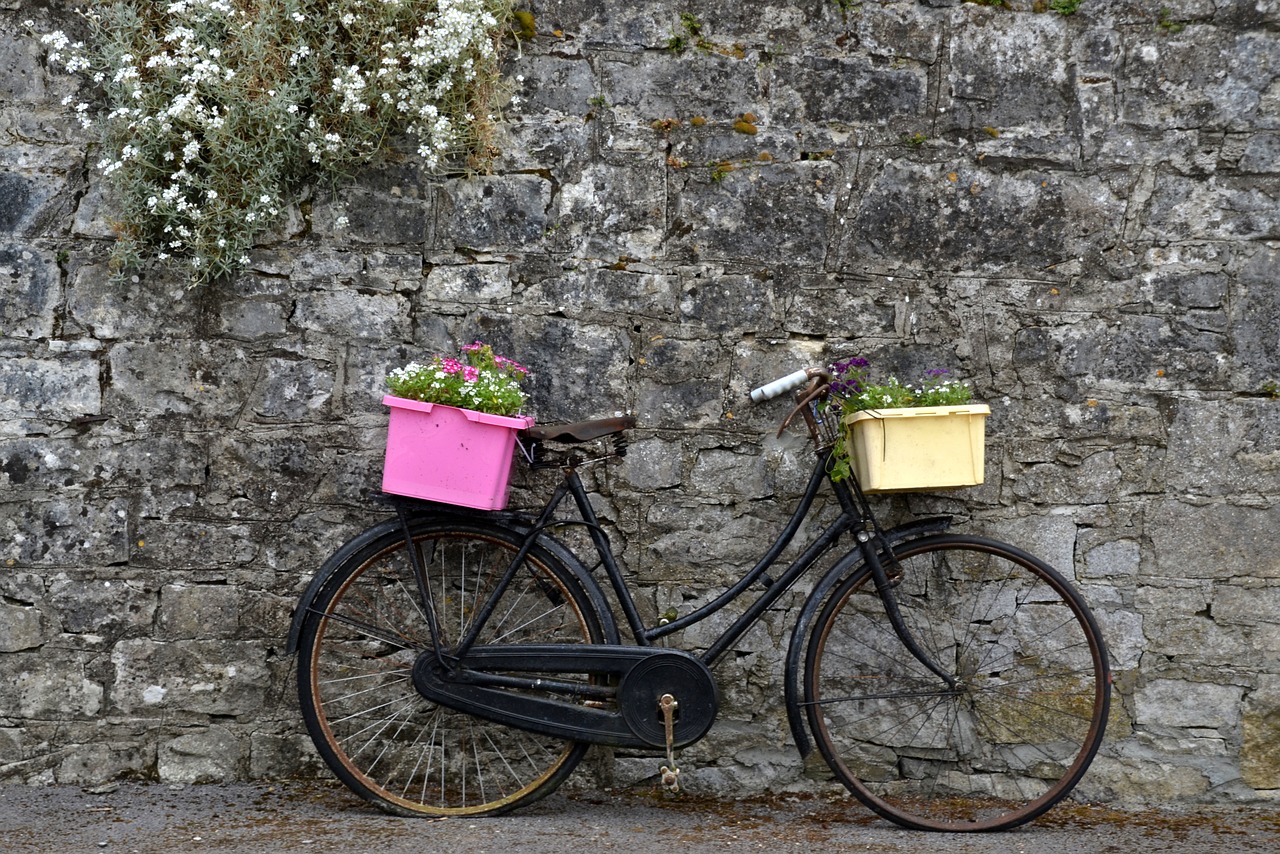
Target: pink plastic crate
[{"x": 442, "y": 453}]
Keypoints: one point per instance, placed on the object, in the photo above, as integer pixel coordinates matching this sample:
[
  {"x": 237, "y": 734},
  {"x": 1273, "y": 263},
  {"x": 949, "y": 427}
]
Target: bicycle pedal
[{"x": 670, "y": 778}]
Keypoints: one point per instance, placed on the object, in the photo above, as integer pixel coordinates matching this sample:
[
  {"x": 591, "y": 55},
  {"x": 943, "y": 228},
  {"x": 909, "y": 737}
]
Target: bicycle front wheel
[
  {"x": 365, "y": 630},
  {"x": 1011, "y": 729}
]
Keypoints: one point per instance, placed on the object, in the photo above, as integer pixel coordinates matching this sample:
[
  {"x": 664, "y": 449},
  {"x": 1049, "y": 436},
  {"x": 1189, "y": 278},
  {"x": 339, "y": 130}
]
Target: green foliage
[
  {"x": 914, "y": 140},
  {"x": 1065, "y": 7},
  {"x": 219, "y": 112},
  {"x": 1167, "y": 23},
  {"x": 689, "y": 32},
  {"x": 479, "y": 380}
]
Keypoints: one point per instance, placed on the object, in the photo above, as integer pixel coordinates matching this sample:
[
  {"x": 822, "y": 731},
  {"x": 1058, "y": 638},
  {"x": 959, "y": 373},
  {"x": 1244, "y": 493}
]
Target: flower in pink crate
[{"x": 479, "y": 380}]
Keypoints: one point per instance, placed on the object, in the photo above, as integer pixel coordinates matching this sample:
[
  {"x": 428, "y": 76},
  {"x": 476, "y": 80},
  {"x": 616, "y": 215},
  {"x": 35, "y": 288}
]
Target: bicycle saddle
[{"x": 581, "y": 431}]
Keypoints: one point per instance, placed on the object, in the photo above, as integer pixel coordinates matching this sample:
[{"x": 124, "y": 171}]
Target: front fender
[{"x": 800, "y": 632}]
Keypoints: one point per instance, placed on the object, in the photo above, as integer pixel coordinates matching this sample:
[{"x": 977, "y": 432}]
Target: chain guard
[{"x": 686, "y": 679}]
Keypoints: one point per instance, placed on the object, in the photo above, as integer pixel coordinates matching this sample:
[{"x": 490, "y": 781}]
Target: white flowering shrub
[{"x": 218, "y": 112}]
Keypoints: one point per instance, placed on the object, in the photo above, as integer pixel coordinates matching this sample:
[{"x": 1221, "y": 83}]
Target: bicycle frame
[{"x": 849, "y": 519}]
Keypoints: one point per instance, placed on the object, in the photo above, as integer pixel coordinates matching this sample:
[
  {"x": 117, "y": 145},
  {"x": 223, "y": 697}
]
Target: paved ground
[{"x": 138, "y": 818}]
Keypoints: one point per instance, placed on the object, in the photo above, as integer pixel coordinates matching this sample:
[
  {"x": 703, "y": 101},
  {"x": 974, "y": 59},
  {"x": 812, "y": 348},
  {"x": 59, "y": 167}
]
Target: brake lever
[{"x": 819, "y": 390}]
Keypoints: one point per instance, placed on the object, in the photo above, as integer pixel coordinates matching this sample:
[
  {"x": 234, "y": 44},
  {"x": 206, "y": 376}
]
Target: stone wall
[{"x": 1079, "y": 213}]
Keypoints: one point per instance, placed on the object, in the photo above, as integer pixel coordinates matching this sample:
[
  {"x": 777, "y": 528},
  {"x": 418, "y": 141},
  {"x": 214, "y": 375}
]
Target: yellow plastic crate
[{"x": 917, "y": 448}]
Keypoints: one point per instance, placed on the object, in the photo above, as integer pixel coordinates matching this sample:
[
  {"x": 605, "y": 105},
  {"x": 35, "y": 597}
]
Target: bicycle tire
[
  {"x": 1015, "y": 733},
  {"x": 365, "y": 629}
]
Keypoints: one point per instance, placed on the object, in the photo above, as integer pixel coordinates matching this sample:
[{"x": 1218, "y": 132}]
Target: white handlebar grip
[{"x": 782, "y": 386}]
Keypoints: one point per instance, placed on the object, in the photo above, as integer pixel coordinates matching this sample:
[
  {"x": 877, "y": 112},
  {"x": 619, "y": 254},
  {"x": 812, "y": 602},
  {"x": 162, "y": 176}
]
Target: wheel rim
[
  {"x": 378, "y": 733},
  {"x": 1009, "y": 740}
]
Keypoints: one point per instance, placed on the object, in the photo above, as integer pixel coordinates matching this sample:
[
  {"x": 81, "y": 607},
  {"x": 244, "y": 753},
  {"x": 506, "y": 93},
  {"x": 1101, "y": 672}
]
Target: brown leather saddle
[{"x": 580, "y": 431}]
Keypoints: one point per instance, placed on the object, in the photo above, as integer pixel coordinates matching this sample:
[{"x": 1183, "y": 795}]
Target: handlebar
[{"x": 790, "y": 382}]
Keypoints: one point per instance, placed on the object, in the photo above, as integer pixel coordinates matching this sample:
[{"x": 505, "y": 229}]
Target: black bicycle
[{"x": 458, "y": 662}]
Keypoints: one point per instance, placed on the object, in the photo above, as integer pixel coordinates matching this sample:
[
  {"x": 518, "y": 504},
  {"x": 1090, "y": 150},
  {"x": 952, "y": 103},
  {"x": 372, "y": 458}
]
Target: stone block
[
  {"x": 1178, "y": 703},
  {"x": 41, "y": 686},
  {"x": 1230, "y": 208},
  {"x": 208, "y": 677},
  {"x": 556, "y": 84},
  {"x": 32, "y": 290},
  {"x": 106, "y": 607},
  {"x": 212, "y": 755},
  {"x": 63, "y": 531},
  {"x": 995, "y": 76},
  {"x": 1245, "y": 453},
  {"x": 1124, "y": 633},
  {"x": 1217, "y": 541},
  {"x": 343, "y": 315},
  {"x": 470, "y": 283},
  {"x": 293, "y": 390},
  {"x": 206, "y": 380},
  {"x": 961, "y": 216},
  {"x": 612, "y": 211},
  {"x": 21, "y": 628},
  {"x": 653, "y": 464},
  {"x": 280, "y": 757},
  {"x": 1178, "y": 624},
  {"x": 383, "y": 217},
  {"x": 847, "y": 91},
  {"x": 1113, "y": 559},
  {"x": 734, "y": 304},
  {"x": 587, "y": 291},
  {"x": 264, "y": 470},
  {"x": 581, "y": 379},
  {"x": 253, "y": 320},
  {"x": 765, "y": 214},
  {"x": 23, "y": 80},
  {"x": 1255, "y": 320},
  {"x": 98, "y": 763},
  {"x": 1261, "y": 154},
  {"x": 730, "y": 476},
  {"x": 206, "y": 546},
  {"x": 494, "y": 212},
  {"x": 678, "y": 384},
  {"x": 1050, "y": 538},
  {"x": 649, "y": 86},
  {"x": 1260, "y": 736},
  {"x": 200, "y": 611},
  {"x": 1204, "y": 77},
  {"x": 61, "y": 389},
  {"x": 149, "y": 307}
]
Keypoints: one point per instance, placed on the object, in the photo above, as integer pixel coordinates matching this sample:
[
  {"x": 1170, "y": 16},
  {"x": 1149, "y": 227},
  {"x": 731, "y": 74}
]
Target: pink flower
[
  {"x": 510, "y": 364},
  {"x": 451, "y": 366},
  {"x": 470, "y": 374},
  {"x": 471, "y": 348}
]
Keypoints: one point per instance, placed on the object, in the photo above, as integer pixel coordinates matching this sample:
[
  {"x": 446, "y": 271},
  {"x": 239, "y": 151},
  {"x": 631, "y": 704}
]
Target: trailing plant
[{"x": 217, "y": 113}]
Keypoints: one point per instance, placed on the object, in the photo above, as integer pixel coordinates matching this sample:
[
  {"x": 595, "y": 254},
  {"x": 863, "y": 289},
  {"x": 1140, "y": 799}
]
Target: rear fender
[{"x": 555, "y": 549}]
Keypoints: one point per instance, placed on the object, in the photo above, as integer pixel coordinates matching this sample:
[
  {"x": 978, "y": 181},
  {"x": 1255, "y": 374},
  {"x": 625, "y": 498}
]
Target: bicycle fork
[{"x": 885, "y": 587}]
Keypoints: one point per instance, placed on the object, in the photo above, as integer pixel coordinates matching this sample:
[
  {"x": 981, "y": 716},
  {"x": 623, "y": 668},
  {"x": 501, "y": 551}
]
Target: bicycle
[{"x": 457, "y": 662}]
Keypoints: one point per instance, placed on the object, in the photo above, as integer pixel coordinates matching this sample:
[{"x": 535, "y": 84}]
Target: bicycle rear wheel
[
  {"x": 1015, "y": 732},
  {"x": 365, "y": 630}
]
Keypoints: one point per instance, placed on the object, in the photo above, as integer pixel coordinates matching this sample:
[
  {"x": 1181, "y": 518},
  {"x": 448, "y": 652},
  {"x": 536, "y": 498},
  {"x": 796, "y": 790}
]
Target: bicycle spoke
[
  {"x": 1020, "y": 724},
  {"x": 363, "y": 635}
]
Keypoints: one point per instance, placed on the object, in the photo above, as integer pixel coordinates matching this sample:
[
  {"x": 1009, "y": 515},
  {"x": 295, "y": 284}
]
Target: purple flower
[{"x": 936, "y": 372}]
